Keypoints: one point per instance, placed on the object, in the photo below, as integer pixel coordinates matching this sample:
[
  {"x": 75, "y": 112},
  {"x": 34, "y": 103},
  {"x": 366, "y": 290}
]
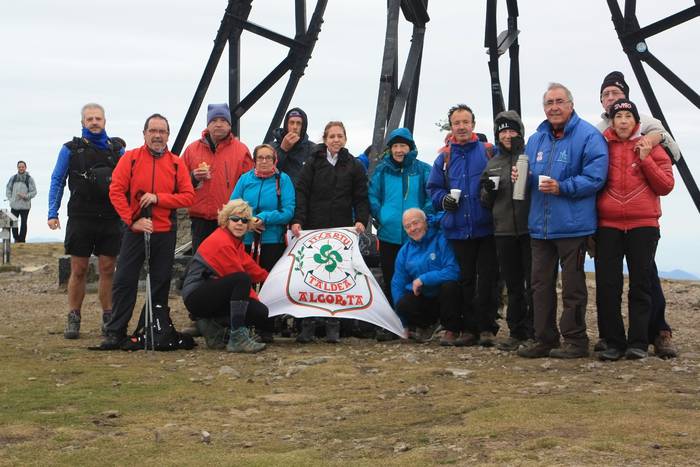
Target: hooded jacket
[
  {"x": 227, "y": 162},
  {"x": 579, "y": 162},
  {"x": 431, "y": 259},
  {"x": 396, "y": 187},
  {"x": 630, "y": 198},
  {"x": 261, "y": 195},
  {"x": 509, "y": 215},
  {"x": 138, "y": 172},
  {"x": 20, "y": 184},
  {"x": 466, "y": 164},
  {"x": 291, "y": 162},
  {"x": 331, "y": 196}
]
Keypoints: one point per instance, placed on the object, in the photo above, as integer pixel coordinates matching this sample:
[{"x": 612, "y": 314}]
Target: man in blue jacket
[
  {"x": 424, "y": 285},
  {"x": 468, "y": 226},
  {"x": 568, "y": 164}
]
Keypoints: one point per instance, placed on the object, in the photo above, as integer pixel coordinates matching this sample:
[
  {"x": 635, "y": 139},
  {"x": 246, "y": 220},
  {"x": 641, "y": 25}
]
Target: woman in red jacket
[
  {"x": 217, "y": 287},
  {"x": 628, "y": 226}
]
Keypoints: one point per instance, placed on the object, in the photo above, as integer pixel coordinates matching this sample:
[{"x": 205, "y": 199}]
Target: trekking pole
[{"x": 148, "y": 318}]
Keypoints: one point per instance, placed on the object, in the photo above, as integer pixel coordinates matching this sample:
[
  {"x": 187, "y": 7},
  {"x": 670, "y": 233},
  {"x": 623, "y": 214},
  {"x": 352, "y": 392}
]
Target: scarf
[
  {"x": 99, "y": 139},
  {"x": 260, "y": 174}
]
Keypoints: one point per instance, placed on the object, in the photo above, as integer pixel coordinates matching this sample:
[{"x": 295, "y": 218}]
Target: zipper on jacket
[
  {"x": 226, "y": 172},
  {"x": 549, "y": 171}
]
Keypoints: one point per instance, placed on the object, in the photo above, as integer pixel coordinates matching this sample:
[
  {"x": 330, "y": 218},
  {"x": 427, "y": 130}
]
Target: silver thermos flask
[{"x": 521, "y": 183}]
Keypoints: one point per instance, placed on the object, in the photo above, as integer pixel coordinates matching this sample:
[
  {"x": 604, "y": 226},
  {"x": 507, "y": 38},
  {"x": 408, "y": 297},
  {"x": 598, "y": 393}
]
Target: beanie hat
[
  {"x": 218, "y": 110},
  {"x": 506, "y": 124},
  {"x": 616, "y": 78},
  {"x": 508, "y": 119},
  {"x": 624, "y": 104}
]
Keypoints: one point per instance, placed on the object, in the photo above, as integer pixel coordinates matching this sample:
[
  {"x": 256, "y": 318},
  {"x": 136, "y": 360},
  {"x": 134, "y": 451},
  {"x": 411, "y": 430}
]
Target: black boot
[
  {"x": 332, "y": 330},
  {"x": 308, "y": 329}
]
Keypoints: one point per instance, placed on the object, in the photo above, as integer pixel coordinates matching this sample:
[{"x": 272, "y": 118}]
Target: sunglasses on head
[{"x": 238, "y": 219}]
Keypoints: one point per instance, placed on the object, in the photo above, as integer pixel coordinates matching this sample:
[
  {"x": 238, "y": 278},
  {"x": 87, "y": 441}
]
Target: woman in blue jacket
[
  {"x": 398, "y": 183},
  {"x": 270, "y": 193}
]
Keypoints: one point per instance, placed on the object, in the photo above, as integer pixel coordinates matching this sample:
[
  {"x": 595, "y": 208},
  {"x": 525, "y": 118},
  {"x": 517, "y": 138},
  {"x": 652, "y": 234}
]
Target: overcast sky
[{"x": 139, "y": 57}]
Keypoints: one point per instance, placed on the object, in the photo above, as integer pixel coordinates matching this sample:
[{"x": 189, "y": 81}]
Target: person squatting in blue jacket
[
  {"x": 468, "y": 226},
  {"x": 568, "y": 165},
  {"x": 398, "y": 183},
  {"x": 424, "y": 285}
]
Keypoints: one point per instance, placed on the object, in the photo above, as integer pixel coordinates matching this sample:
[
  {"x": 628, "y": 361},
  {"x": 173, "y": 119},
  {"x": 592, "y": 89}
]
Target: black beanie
[
  {"x": 624, "y": 104},
  {"x": 616, "y": 78},
  {"x": 503, "y": 123},
  {"x": 399, "y": 139}
]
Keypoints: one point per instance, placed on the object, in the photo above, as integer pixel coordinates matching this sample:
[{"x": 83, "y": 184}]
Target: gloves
[
  {"x": 488, "y": 185},
  {"x": 449, "y": 203}
]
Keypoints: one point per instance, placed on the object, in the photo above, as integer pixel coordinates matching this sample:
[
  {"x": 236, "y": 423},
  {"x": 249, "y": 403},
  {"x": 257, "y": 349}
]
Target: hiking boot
[
  {"x": 308, "y": 329},
  {"x": 385, "y": 336},
  {"x": 240, "y": 342},
  {"x": 466, "y": 339},
  {"x": 266, "y": 336},
  {"x": 110, "y": 342},
  {"x": 72, "y": 330},
  {"x": 511, "y": 344},
  {"x": 634, "y": 353},
  {"x": 106, "y": 316},
  {"x": 449, "y": 338},
  {"x": 570, "y": 351},
  {"x": 423, "y": 335},
  {"x": 332, "y": 330},
  {"x": 600, "y": 346},
  {"x": 215, "y": 335},
  {"x": 611, "y": 355},
  {"x": 663, "y": 346},
  {"x": 487, "y": 339},
  {"x": 192, "y": 330},
  {"x": 536, "y": 350}
]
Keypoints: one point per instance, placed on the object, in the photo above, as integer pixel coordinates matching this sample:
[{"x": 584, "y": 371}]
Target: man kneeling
[{"x": 424, "y": 286}]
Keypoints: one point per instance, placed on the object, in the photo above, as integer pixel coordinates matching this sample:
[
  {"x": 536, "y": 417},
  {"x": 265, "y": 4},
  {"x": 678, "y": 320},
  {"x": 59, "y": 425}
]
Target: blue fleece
[
  {"x": 431, "y": 259},
  {"x": 261, "y": 194}
]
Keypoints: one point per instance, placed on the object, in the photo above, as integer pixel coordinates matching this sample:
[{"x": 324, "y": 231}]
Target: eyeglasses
[
  {"x": 613, "y": 93},
  {"x": 238, "y": 219},
  {"x": 265, "y": 158},
  {"x": 557, "y": 102}
]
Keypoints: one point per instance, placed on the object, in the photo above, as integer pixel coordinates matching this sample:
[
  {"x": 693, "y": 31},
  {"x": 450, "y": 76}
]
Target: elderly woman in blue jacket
[
  {"x": 398, "y": 183},
  {"x": 270, "y": 194},
  {"x": 424, "y": 286}
]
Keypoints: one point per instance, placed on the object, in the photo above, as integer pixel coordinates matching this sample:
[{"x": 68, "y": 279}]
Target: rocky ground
[{"x": 356, "y": 403}]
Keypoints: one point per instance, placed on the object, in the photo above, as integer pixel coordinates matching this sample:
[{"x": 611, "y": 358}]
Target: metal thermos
[{"x": 521, "y": 183}]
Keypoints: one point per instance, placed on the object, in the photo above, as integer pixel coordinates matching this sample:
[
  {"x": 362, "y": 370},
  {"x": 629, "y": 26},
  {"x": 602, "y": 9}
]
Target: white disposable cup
[
  {"x": 542, "y": 178},
  {"x": 495, "y": 179},
  {"x": 456, "y": 193}
]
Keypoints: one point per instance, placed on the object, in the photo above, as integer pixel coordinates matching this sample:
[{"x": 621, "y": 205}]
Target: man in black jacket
[{"x": 292, "y": 143}]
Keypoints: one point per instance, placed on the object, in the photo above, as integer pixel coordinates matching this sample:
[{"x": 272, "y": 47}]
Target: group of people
[{"x": 446, "y": 232}]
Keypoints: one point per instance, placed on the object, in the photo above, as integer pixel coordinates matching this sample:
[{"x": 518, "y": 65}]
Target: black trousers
[
  {"x": 212, "y": 300},
  {"x": 478, "y": 266},
  {"x": 422, "y": 311},
  {"x": 515, "y": 261},
  {"x": 270, "y": 253},
  {"x": 126, "y": 278},
  {"x": 387, "y": 257},
  {"x": 201, "y": 229},
  {"x": 657, "y": 322},
  {"x": 639, "y": 247},
  {"x": 20, "y": 235}
]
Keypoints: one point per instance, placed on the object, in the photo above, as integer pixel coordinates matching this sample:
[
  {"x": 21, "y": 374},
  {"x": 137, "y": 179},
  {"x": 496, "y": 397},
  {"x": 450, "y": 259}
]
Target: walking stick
[{"x": 148, "y": 318}]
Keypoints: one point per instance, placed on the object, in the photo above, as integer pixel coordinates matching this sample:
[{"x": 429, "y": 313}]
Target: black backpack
[{"x": 165, "y": 337}]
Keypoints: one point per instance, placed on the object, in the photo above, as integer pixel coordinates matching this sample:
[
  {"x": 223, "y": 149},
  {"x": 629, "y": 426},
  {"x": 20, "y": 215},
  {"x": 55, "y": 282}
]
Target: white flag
[{"x": 322, "y": 273}]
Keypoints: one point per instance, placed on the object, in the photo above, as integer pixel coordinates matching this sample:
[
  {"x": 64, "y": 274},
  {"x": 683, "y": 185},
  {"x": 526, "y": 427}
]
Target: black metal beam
[
  {"x": 266, "y": 33},
  {"x": 409, "y": 118},
  {"x": 300, "y": 17},
  {"x": 409, "y": 74},
  {"x": 258, "y": 91},
  {"x": 241, "y": 10},
  {"x": 665, "y": 24}
]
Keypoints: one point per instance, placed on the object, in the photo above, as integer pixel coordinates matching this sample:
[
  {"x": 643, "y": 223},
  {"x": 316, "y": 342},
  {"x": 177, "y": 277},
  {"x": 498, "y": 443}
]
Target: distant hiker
[
  {"x": 148, "y": 185},
  {"x": 568, "y": 164},
  {"x": 331, "y": 191},
  {"x": 454, "y": 188},
  {"x": 20, "y": 191},
  {"x": 217, "y": 289},
  {"x": 615, "y": 87},
  {"x": 628, "y": 227},
  {"x": 93, "y": 225},
  {"x": 215, "y": 162},
  {"x": 292, "y": 144},
  {"x": 424, "y": 285},
  {"x": 510, "y": 227}
]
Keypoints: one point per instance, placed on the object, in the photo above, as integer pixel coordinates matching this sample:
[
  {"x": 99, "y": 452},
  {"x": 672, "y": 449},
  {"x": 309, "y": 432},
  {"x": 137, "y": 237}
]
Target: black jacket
[
  {"x": 509, "y": 215},
  {"x": 291, "y": 162},
  {"x": 331, "y": 196}
]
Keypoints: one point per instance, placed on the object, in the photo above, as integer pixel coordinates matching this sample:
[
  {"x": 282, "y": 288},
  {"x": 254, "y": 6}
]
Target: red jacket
[
  {"x": 231, "y": 159},
  {"x": 630, "y": 198},
  {"x": 225, "y": 254},
  {"x": 138, "y": 172}
]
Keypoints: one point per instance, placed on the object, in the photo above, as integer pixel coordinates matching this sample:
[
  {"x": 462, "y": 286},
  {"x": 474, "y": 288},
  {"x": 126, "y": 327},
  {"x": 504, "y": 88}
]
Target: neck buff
[{"x": 99, "y": 139}]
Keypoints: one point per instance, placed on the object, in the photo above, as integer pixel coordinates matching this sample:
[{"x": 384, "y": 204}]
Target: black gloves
[
  {"x": 488, "y": 185},
  {"x": 449, "y": 203}
]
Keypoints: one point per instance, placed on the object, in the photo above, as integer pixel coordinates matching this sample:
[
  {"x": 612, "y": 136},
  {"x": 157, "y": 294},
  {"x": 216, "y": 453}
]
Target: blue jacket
[
  {"x": 261, "y": 194},
  {"x": 431, "y": 259},
  {"x": 467, "y": 163},
  {"x": 394, "y": 189},
  {"x": 579, "y": 162}
]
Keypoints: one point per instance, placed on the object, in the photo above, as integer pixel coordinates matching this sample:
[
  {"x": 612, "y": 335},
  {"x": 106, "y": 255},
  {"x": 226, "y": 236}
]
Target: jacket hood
[
  {"x": 297, "y": 113},
  {"x": 385, "y": 160},
  {"x": 404, "y": 133}
]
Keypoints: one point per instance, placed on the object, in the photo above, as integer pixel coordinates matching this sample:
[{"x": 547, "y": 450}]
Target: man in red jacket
[
  {"x": 215, "y": 162},
  {"x": 148, "y": 185}
]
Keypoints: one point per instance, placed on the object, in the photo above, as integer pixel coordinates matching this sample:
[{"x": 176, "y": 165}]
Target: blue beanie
[{"x": 218, "y": 110}]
